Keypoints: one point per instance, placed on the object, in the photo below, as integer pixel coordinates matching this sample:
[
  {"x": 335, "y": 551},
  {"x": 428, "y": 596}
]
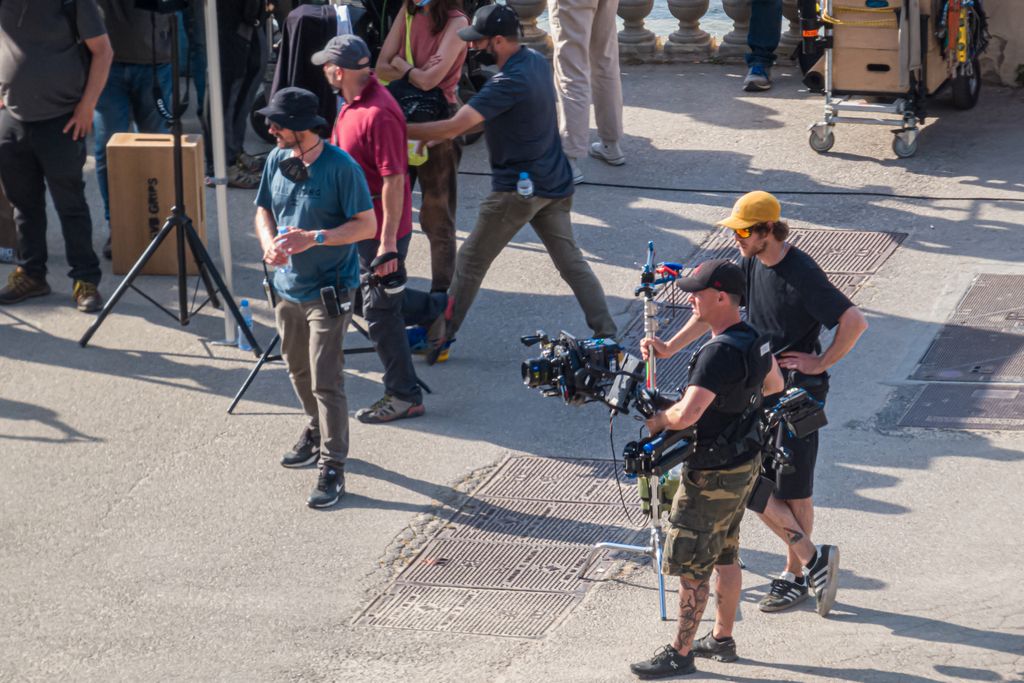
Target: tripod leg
[
  {"x": 211, "y": 290},
  {"x": 169, "y": 225},
  {"x": 203, "y": 257},
  {"x": 252, "y": 375},
  {"x": 656, "y": 544},
  {"x": 180, "y": 222}
]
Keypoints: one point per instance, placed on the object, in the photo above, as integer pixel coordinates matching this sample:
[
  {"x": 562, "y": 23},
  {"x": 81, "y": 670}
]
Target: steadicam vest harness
[{"x": 743, "y": 433}]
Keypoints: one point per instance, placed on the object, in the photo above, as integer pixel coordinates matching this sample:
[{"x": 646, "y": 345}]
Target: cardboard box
[
  {"x": 140, "y": 172},
  {"x": 8, "y": 233}
]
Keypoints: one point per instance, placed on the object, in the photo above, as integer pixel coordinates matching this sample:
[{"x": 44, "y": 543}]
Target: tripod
[
  {"x": 185, "y": 233},
  {"x": 269, "y": 355},
  {"x": 649, "y": 485}
]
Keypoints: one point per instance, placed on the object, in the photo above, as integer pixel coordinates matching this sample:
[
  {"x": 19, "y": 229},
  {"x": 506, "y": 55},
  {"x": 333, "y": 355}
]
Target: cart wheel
[
  {"x": 905, "y": 144},
  {"x": 966, "y": 85},
  {"x": 821, "y": 143}
]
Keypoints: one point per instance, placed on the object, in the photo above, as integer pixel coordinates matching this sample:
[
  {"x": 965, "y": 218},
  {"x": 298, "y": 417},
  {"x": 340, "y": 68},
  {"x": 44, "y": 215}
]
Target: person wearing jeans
[
  {"x": 586, "y": 62},
  {"x": 53, "y": 65},
  {"x": 517, "y": 111},
  {"x": 762, "y": 41}
]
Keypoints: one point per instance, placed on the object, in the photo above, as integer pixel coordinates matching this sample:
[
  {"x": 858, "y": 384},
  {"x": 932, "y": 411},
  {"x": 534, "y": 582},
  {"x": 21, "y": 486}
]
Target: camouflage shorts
[{"x": 705, "y": 519}]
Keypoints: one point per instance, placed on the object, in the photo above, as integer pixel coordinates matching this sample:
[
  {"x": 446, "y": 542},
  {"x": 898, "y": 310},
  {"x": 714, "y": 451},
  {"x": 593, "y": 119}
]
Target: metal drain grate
[
  {"x": 992, "y": 301},
  {"x": 581, "y": 481},
  {"x": 540, "y": 522},
  {"x": 460, "y": 610},
  {"x": 970, "y": 354},
  {"x": 469, "y": 564},
  {"x": 954, "y": 406}
]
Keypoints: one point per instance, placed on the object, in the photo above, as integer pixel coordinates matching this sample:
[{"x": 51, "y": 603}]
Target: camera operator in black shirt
[
  {"x": 728, "y": 377},
  {"x": 788, "y": 298}
]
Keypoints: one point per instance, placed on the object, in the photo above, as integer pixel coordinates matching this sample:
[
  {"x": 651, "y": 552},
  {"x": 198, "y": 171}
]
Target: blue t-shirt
[
  {"x": 335, "y": 192},
  {"x": 521, "y": 127}
]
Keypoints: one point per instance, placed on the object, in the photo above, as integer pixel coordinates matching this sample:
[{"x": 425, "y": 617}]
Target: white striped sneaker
[
  {"x": 785, "y": 593},
  {"x": 823, "y": 577}
]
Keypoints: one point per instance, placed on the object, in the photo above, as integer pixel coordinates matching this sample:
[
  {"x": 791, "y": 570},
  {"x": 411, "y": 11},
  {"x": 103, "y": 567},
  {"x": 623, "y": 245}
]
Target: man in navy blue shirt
[
  {"x": 518, "y": 112},
  {"x": 312, "y": 207}
]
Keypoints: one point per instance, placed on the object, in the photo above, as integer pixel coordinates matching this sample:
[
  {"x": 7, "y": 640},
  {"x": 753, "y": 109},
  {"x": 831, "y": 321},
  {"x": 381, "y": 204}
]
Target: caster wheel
[
  {"x": 904, "y": 144},
  {"x": 821, "y": 143}
]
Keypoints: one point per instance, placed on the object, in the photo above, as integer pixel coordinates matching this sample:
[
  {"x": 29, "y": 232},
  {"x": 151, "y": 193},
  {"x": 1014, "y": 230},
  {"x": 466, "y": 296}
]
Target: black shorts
[{"x": 800, "y": 483}]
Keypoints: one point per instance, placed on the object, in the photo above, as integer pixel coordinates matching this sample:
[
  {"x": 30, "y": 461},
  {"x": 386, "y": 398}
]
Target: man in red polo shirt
[{"x": 371, "y": 128}]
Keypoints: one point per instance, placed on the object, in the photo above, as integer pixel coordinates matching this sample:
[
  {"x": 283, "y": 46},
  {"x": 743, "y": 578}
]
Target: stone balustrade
[{"x": 1003, "y": 62}]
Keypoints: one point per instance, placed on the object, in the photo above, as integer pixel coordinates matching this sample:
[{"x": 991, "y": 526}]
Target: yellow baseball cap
[{"x": 751, "y": 209}]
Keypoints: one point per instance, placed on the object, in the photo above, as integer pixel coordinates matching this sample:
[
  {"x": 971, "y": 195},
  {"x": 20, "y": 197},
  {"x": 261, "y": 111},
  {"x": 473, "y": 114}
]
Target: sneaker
[
  {"x": 330, "y": 486},
  {"x": 609, "y": 153},
  {"x": 389, "y": 409},
  {"x": 108, "y": 250},
  {"x": 665, "y": 662},
  {"x": 758, "y": 78},
  {"x": 785, "y": 593},
  {"x": 823, "y": 577},
  {"x": 577, "y": 174},
  {"x": 438, "y": 335},
  {"x": 87, "y": 297},
  {"x": 710, "y": 647},
  {"x": 241, "y": 178},
  {"x": 21, "y": 286},
  {"x": 305, "y": 452}
]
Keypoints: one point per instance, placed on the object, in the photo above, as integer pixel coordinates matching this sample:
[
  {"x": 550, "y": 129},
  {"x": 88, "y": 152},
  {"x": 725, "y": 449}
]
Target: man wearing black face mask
[
  {"x": 517, "y": 110},
  {"x": 312, "y": 207}
]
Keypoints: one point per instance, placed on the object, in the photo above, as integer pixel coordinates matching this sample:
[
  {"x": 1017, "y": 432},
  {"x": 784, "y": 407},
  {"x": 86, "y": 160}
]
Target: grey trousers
[
  {"x": 311, "y": 343},
  {"x": 502, "y": 215}
]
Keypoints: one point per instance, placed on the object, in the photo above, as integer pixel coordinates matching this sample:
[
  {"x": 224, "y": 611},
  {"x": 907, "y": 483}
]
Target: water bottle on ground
[
  {"x": 524, "y": 188},
  {"x": 286, "y": 268},
  {"x": 243, "y": 341}
]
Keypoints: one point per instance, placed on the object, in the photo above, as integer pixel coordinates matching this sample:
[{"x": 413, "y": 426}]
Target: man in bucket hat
[{"x": 312, "y": 207}]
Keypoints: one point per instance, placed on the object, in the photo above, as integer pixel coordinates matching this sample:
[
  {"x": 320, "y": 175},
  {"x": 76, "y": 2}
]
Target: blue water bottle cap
[
  {"x": 245, "y": 302},
  {"x": 523, "y": 175}
]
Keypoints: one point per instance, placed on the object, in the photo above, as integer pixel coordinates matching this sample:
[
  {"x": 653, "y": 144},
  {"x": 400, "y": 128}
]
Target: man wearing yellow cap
[{"x": 790, "y": 299}]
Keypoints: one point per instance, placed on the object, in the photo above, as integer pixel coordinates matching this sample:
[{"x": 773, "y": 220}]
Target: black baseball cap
[
  {"x": 347, "y": 51},
  {"x": 294, "y": 109},
  {"x": 490, "y": 21},
  {"x": 721, "y": 274}
]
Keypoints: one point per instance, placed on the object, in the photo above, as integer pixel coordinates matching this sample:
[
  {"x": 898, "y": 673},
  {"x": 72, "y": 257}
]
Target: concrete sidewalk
[{"x": 145, "y": 534}]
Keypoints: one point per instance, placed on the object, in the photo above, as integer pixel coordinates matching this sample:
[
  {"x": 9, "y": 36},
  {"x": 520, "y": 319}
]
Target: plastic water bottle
[
  {"x": 676, "y": 472},
  {"x": 286, "y": 268},
  {"x": 524, "y": 188},
  {"x": 243, "y": 341}
]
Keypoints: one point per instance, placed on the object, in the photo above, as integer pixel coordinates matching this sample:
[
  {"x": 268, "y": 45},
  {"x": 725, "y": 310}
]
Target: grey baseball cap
[{"x": 347, "y": 51}]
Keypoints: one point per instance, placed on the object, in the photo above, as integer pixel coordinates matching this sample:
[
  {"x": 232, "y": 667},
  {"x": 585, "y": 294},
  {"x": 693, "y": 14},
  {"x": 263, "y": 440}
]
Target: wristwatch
[{"x": 319, "y": 237}]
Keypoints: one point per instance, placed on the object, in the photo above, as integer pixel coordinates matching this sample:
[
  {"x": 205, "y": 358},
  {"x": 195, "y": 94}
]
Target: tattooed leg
[
  {"x": 693, "y": 598},
  {"x": 779, "y": 517}
]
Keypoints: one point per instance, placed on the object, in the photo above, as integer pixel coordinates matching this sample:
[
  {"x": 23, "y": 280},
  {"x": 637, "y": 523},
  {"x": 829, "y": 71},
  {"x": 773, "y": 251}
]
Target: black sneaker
[
  {"x": 305, "y": 452},
  {"x": 710, "y": 647},
  {"x": 665, "y": 662},
  {"x": 785, "y": 593},
  {"x": 329, "y": 487},
  {"x": 823, "y": 577}
]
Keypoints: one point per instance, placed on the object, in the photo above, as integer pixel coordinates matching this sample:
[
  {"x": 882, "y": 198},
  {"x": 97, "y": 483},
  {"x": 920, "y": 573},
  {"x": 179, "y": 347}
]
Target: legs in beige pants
[
  {"x": 502, "y": 215},
  {"x": 586, "y": 65}
]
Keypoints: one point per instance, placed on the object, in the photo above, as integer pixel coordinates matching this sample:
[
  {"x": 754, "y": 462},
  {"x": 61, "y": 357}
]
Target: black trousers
[{"x": 35, "y": 156}]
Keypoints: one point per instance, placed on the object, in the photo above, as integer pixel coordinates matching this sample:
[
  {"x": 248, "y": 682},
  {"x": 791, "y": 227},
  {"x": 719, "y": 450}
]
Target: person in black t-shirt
[
  {"x": 790, "y": 299},
  {"x": 722, "y": 401}
]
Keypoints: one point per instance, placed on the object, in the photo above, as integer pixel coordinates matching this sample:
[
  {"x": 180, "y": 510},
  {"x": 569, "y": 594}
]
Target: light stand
[{"x": 179, "y": 223}]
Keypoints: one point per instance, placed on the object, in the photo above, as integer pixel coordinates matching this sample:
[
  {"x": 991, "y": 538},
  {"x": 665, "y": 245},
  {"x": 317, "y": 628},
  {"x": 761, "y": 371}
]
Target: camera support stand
[
  {"x": 653, "y": 549},
  {"x": 181, "y": 225}
]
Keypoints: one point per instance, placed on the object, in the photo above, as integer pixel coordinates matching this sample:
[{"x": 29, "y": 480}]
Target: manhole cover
[
  {"x": 518, "y": 614},
  {"x": 993, "y": 301},
  {"x": 955, "y": 406},
  {"x": 970, "y": 354},
  {"x": 541, "y": 522},
  {"x": 558, "y": 479},
  {"x": 468, "y": 564}
]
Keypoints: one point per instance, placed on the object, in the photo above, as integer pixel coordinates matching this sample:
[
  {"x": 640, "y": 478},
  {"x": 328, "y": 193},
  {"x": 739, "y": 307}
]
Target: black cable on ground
[{"x": 811, "y": 193}]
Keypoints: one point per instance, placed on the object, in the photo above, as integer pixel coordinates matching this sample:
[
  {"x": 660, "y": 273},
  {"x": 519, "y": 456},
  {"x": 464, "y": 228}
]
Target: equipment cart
[{"x": 883, "y": 58}]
